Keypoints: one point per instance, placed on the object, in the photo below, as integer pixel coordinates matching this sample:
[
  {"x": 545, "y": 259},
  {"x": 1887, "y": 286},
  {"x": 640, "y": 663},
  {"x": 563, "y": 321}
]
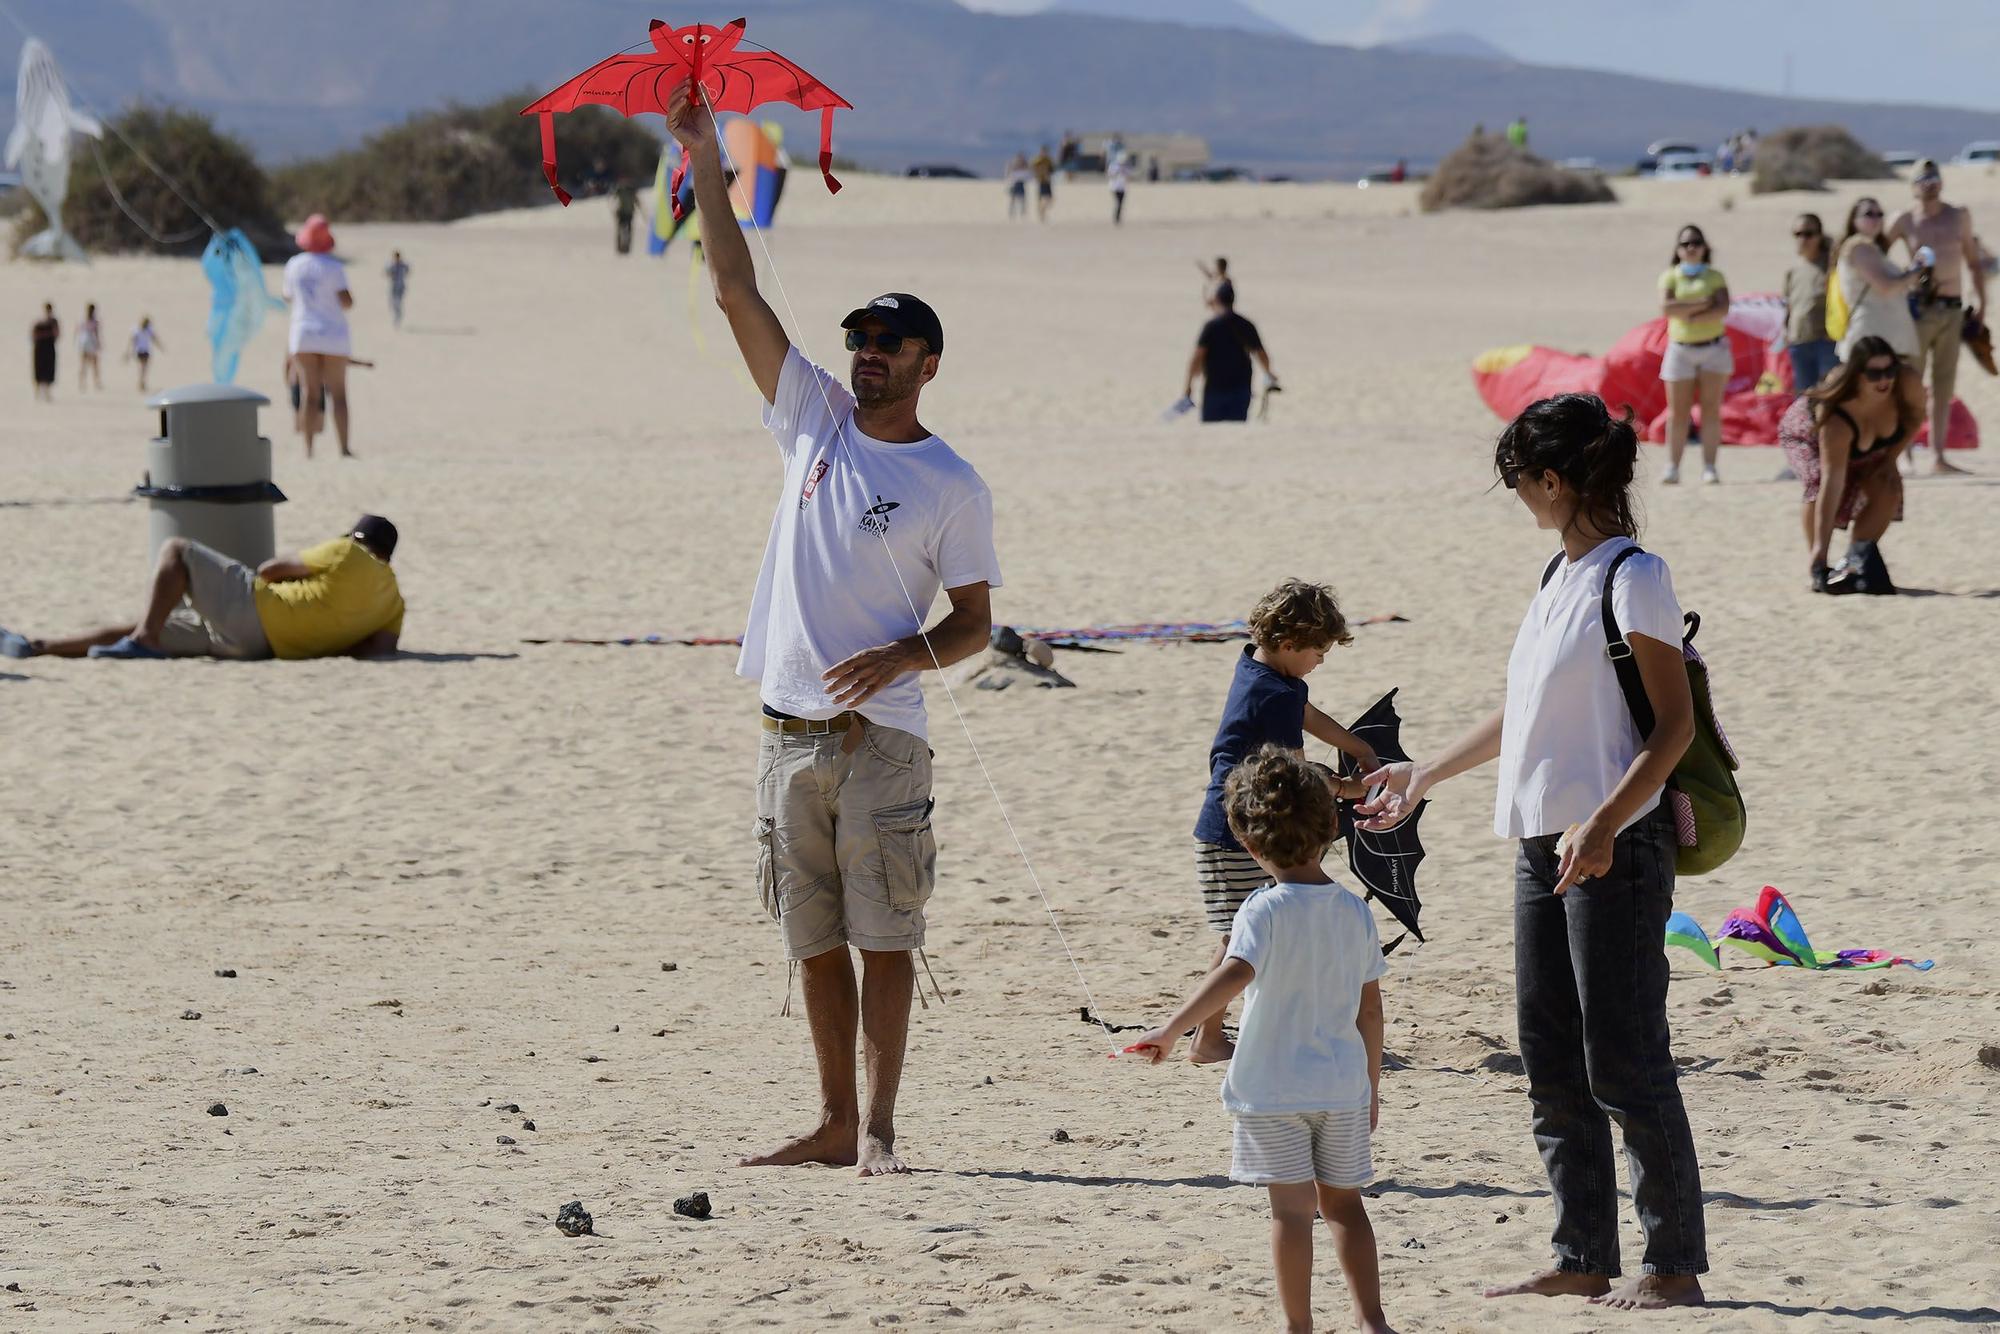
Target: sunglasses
[
  {"x": 888, "y": 344},
  {"x": 1878, "y": 374},
  {"x": 1510, "y": 475},
  {"x": 1805, "y": 236},
  {"x": 1684, "y": 244},
  {"x": 1869, "y": 213}
]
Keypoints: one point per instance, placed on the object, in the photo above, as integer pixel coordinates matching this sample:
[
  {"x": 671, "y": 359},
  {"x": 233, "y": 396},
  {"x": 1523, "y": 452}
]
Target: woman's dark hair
[
  {"x": 1825, "y": 256},
  {"x": 1575, "y": 437},
  {"x": 1881, "y": 237},
  {"x": 1845, "y": 383},
  {"x": 1707, "y": 251}
]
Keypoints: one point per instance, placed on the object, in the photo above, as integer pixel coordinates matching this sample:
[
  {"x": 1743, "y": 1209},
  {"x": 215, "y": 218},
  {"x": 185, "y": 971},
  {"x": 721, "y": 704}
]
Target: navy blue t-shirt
[{"x": 1264, "y": 705}]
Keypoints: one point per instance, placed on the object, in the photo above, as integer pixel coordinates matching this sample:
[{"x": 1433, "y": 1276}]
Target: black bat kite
[
  {"x": 1385, "y": 860},
  {"x": 707, "y": 58}
]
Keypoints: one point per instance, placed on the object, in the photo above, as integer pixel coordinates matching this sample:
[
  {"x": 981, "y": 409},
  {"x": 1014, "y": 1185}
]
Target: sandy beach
[{"x": 497, "y": 874}]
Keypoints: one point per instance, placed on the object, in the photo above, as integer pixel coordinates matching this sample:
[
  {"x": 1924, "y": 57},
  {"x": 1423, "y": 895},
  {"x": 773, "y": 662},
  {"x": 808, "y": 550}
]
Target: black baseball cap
[
  {"x": 376, "y": 533},
  {"x": 904, "y": 314}
]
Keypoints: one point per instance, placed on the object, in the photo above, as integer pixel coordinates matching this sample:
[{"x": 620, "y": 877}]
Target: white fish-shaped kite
[{"x": 44, "y": 120}]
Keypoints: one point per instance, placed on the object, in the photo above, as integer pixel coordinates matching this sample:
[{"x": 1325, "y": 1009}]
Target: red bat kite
[{"x": 707, "y": 57}]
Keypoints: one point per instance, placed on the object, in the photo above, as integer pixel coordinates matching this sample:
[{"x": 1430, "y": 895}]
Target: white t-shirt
[
  {"x": 142, "y": 342},
  {"x": 313, "y": 284},
  {"x": 828, "y": 588},
  {"x": 1314, "y": 947},
  {"x": 1568, "y": 736},
  {"x": 1117, "y": 176}
]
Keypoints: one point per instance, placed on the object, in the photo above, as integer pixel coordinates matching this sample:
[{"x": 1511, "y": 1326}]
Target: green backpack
[{"x": 1709, "y": 816}]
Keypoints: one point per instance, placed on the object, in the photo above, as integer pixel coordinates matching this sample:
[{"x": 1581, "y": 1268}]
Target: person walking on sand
[
  {"x": 1806, "y": 339},
  {"x": 1044, "y": 170},
  {"x": 1584, "y": 794},
  {"x": 145, "y": 341},
  {"x": 1118, "y": 175},
  {"x": 1694, "y": 296},
  {"x": 89, "y": 346},
  {"x": 876, "y": 516},
  {"x": 625, "y": 206},
  {"x": 316, "y": 289},
  {"x": 1292, "y": 629},
  {"x": 399, "y": 284},
  {"x": 1221, "y": 361},
  {"x": 43, "y": 336},
  {"x": 1305, "y": 1086},
  {"x": 1017, "y": 175},
  {"x": 1944, "y": 232},
  {"x": 337, "y": 599}
]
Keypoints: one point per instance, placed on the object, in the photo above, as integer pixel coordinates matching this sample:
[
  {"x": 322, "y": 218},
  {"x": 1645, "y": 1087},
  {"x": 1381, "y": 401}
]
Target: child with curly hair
[
  {"x": 1305, "y": 1084},
  {"x": 1292, "y": 628}
]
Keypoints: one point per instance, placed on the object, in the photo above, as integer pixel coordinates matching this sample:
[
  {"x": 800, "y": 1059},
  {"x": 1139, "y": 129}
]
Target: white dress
[{"x": 1871, "y": 312}]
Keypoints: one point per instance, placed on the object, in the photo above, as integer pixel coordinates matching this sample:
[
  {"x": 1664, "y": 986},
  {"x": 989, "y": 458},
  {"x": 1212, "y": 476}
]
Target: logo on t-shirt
[
  {"x": 876, "y": 520},
  {"x": 812, "y": 483}
]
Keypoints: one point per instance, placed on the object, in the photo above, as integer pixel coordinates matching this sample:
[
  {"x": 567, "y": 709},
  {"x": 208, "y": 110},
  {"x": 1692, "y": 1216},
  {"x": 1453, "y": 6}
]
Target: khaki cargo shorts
[
  {"x": 219, "y": 618},
  {"x": 845, "y": 854},
  {"x": 1940, "y": 331}
]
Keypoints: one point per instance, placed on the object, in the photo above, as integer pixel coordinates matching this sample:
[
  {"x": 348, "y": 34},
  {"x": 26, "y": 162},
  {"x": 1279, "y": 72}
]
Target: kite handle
[
  {"x": 826, "y": 150},
  {"x": 674, "y": 186},
  {"x": 549, "y": 157}
]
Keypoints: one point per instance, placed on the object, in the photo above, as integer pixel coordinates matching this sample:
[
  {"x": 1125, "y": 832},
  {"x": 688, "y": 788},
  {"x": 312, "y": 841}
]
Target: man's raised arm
[{"x": 759, "y": 334}]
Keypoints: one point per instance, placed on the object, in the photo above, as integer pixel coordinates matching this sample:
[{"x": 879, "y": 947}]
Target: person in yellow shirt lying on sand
[{"x": 339, "y": 598}]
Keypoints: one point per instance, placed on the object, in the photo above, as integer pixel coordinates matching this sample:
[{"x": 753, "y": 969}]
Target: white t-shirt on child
[
  {"x": 1314, "y": 947},
  {"x": 829, "y": 588}
]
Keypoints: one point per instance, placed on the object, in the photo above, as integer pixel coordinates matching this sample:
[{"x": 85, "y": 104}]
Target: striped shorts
[
  {"x": 1227, "y": 876},
  {"x": 1292, "y": 1148}
]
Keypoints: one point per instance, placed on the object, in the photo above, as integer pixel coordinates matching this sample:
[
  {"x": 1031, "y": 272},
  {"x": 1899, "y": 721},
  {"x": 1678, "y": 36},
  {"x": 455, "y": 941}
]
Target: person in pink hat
[{"x": 316, "y": 290}]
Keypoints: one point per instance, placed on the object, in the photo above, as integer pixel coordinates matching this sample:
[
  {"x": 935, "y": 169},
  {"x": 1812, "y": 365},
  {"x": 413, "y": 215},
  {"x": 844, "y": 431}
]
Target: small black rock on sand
[
  {"x": 572, "y": 1221},
  {"x": 693, "y": 1206}
]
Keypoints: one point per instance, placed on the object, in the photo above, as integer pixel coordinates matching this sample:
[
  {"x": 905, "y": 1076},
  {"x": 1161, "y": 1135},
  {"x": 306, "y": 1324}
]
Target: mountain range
[{"x": 930, "y": 80}]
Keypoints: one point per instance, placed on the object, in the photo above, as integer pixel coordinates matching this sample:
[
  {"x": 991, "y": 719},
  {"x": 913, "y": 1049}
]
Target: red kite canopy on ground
[{"x": 706, "y": 57}]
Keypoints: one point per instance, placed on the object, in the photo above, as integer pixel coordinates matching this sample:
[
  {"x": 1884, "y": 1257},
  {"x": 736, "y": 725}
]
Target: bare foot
[
  {"x": 1555, "y": 1283},
  {"x": 1946, "y": 468},
  {"x": 1653, "y": 1292},
  {"x": 878, "y": 1157},
  {"x": 1205, "y": 1050},
  {"x": 1373, "y": 1324},
  {"x": 828, "y": 1143}
]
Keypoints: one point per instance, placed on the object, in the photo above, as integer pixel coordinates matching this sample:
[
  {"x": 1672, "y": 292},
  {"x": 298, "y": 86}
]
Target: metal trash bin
[{"x": 208, "y": 473}]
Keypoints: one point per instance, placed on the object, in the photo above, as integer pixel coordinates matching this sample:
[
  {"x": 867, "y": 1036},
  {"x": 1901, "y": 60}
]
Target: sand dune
[{"x": 451, "y": 883}]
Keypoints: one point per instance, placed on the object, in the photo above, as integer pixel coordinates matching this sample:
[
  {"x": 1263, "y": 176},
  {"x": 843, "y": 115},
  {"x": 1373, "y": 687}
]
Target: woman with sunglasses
[
  {"x": 1694, "y": 296},
  {"x": 1583, "y": 792},
  {"x": 1806, "y": 340},
  {"x": 1842, "y": 440},
  {"x": 1875, "y": 290}
]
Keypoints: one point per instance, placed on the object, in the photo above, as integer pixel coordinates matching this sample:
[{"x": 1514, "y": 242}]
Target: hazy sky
[{"x": 1942, "y": 51}]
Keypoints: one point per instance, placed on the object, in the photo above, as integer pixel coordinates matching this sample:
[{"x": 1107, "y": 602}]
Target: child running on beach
[
  {"x": 1305, "y": 1085},
  {"x": 1291, "y": 629}
]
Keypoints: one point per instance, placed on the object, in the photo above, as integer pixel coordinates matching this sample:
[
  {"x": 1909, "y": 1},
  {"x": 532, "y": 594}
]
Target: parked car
[
  {"x": 1682, "y": 166},
  {"x": 1903, "y": 159},
  {"x": 1978, "y": 153},
  {"x": 942, "y": 171}
]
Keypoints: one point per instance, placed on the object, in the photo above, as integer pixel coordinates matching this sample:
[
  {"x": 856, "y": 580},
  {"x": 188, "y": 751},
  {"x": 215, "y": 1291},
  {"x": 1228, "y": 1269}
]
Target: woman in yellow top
[{"x": 1694, "y": 296}]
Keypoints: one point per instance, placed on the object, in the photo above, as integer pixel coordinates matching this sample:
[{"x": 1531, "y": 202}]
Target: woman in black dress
[{"x": 45, "y": 333}]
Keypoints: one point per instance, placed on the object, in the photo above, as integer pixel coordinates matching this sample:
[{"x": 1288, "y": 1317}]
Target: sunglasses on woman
[
  {"x": 1805, "y": 236},
  {"x": 1696, "y": 241},
  {"x": 1879, "y": 374},
  {"x": 888, "y": 344},
  {"x": 1869, "y": 213}
]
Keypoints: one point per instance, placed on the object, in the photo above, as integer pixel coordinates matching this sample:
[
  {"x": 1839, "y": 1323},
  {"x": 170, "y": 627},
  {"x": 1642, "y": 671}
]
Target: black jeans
[{"x": 1590, "y": 989}]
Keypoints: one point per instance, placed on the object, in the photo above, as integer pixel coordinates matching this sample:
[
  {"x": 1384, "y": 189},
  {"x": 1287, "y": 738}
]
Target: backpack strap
[
  {"x": 1620, "y": 651},
  {"x": 1550, "y": 572}
]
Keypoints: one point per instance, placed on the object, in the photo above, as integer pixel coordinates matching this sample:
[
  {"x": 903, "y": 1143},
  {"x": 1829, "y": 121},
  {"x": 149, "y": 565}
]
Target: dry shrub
[
  {"x": 1806, "y": 157},
  {"x": 1488, "y": 172}
]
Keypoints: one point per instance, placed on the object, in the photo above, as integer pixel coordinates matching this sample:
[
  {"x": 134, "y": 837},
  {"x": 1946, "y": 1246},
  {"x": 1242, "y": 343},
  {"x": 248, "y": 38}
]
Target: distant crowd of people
[
  {"x": 1874, "y": 346},
  {"x": 45, "y": 335},
  {"x": 1040, "y": 171}
]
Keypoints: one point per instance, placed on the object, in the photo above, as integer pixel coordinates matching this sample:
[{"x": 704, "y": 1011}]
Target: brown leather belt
[{"x": 840, "y": 722}]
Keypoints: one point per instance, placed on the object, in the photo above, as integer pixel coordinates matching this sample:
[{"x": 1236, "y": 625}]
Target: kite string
[
  {"x": 1000, "y": 803},
  {"x": 105, "y": 172},
  {"x": 137, "y": 152}
]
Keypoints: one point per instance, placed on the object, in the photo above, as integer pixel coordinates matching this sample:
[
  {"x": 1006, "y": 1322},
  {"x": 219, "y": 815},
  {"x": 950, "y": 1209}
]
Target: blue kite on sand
[
  {"x": 1773, "y": 932},
  {"x": 241, "y": 301}
]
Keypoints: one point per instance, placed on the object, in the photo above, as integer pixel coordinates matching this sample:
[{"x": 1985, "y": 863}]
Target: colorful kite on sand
[
  {"x": 730, "y": 79},
  {"x": 1772, "y": 932}
]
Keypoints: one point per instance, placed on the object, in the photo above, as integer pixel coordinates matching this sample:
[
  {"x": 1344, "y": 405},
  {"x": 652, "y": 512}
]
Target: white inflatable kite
[{"x": 44, "y": 120}]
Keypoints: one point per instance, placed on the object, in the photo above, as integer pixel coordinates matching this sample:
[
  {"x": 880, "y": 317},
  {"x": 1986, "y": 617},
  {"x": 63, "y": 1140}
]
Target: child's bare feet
[
  {"x": 1210, "y": 1048},
  {"x": 1653, "y": 1292},
  {"x": 1554, "y": 1283}
]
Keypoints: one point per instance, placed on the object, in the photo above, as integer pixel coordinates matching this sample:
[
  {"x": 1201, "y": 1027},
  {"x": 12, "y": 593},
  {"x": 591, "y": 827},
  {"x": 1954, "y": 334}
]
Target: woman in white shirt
[
  {"x": 316, "y": 290},
  {"x": 1582, "y": 791},
  {"x": 1875, "y": 290}
]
